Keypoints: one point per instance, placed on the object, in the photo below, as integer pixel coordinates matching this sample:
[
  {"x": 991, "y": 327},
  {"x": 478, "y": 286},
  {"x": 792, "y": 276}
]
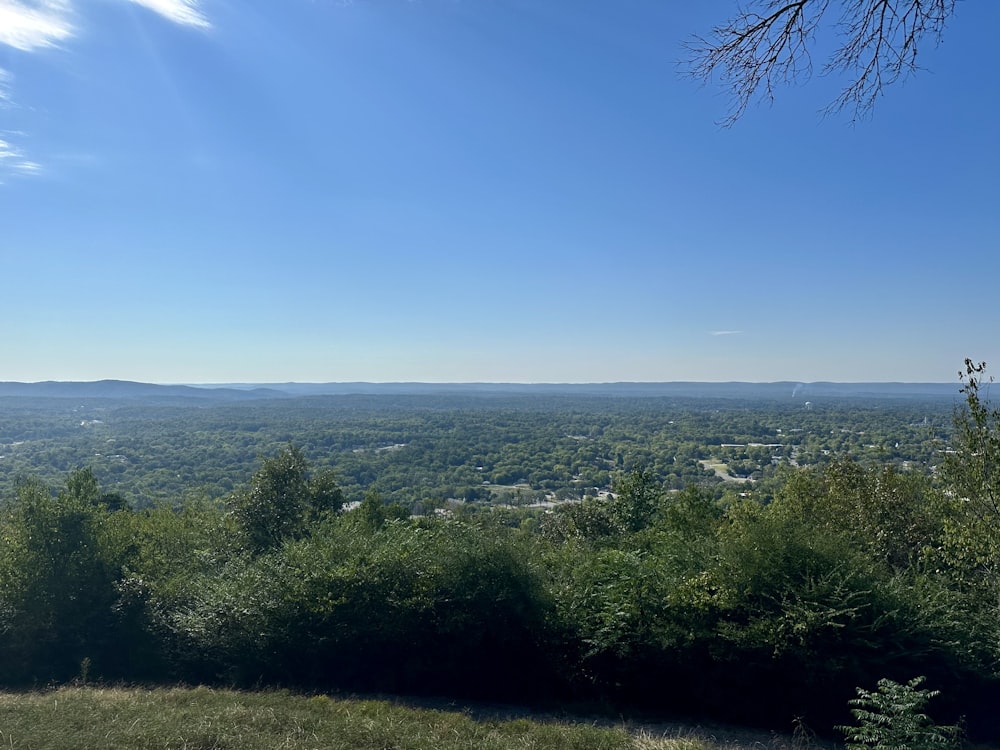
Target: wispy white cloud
[
  {"x": 725, "y": 333},
  {"x": 32, "y": 24},
  {"x": 26, "y": 167},
  {"x": 7, "y": 151},
  {"x": 13, "y": 161},
  {"x": 5, "y": 78},
  {"x": 12, "y": 157},
  {"x": 35, "y": 24},
  {"x": 184, "y": 12}
]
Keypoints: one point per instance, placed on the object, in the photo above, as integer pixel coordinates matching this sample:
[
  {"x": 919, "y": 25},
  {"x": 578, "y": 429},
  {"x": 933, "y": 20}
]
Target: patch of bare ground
[{"x": 722, "y": 471}]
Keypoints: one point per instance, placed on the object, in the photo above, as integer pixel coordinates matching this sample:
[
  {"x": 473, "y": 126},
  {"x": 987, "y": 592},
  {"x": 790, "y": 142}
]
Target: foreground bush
[
  {"x": 404, "y": 607},
  {"x": 653, "y": 599},
  {"x": 893, "y": 717}
]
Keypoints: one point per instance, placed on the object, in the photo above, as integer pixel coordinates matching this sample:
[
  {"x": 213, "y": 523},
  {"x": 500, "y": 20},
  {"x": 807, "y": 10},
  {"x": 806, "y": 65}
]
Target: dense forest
[
  {"x": 427, "y": 447},
  {"x": 748, "y": 561}
]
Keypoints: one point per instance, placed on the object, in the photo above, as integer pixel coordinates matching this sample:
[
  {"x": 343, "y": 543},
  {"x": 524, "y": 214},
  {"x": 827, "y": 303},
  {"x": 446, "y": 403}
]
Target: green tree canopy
[{"x": 284, "y": 500}]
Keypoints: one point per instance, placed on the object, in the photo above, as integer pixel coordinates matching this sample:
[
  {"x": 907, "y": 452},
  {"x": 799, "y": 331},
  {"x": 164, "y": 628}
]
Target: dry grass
[{"x": 205, "y": 719}]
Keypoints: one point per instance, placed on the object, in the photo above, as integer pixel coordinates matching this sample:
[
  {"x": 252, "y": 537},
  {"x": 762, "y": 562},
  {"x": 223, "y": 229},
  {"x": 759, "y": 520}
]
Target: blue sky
[{"x": 477, "y": 190}]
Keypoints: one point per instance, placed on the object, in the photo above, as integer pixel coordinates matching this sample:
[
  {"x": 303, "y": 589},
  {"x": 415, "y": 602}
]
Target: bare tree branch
[
  {"x": 881, "y": 44},
  {"x": 768, "y": 43}
]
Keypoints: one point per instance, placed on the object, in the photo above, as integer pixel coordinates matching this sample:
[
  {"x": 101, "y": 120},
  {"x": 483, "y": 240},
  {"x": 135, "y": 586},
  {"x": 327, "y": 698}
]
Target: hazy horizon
[{"x": 255, "y": 383}]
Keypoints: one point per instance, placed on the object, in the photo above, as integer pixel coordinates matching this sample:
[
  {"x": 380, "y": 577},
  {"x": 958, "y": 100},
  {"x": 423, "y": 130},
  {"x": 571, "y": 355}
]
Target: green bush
[
  {"x": 60, "y": 574},
  {"x": 893, "y": 718},
  {"x": 436, "y": 607}
]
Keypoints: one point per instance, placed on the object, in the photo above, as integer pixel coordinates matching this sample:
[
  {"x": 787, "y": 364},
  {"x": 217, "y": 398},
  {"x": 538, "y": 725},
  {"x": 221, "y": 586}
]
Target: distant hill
[
  {"x": 779, "y": 391},
  {"x": 782, "y": 390},
  {"x": 129, "y": 390}
]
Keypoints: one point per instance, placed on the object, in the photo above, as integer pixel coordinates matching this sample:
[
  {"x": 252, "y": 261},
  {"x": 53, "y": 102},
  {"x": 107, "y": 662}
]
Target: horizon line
[{"x": 224, "y": 383}]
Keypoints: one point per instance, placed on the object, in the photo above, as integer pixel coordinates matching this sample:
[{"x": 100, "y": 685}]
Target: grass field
[{"x": 74, "y": 718}]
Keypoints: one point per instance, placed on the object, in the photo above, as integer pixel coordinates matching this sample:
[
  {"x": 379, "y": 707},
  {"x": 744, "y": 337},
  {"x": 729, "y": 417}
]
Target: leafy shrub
[
  {"x": 893, "y": 717},
  {"x": 438, "y": 607},
  {"x": 58, "y": 583}
]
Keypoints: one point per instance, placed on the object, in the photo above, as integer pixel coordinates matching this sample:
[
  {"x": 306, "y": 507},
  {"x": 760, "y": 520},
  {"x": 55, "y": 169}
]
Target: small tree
[
  {"x": 372, "y": 511},
  {"x": 972, "y": 470},
  {"x": 893, "y": 718},
  {"x": 637, "y": 497},
  {"x": 284, "y": 500}
]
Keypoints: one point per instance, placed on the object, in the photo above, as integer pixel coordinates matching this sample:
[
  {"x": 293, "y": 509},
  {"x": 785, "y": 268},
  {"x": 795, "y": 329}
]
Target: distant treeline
[{"x": 425, "y": 450}]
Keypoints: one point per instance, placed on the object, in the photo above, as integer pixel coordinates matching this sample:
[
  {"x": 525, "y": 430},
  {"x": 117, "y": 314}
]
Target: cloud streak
[
  {"x": 5, "y": 78},
  {"x": 725, "y": 333},
  {"x": 34, "y": 25},
  {"x": 13, "y": 161},
  {"x": 184, "y": 12},
  {"x": 28, "y": 26}
]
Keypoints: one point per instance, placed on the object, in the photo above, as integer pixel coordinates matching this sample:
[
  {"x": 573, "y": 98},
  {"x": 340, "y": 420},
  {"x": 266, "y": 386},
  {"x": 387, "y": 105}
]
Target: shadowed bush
[{"x": 433, "y": 608}]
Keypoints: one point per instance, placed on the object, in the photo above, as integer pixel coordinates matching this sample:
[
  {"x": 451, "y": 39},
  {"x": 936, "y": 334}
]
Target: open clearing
[{"x": 721, "y": 470}]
